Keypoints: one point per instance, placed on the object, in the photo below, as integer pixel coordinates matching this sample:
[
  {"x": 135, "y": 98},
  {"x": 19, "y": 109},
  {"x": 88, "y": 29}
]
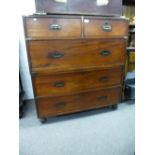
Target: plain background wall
[{"x": 26, "y": 7}]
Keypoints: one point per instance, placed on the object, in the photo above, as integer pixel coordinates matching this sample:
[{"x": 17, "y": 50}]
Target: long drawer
[
  {"x": 53, "y": 27},
  {"x": 70, "y": 55},
  {"x": 79, "y": 102},
  {"x": 105, "y": 28},
  {"x": 56, "y": 85}
]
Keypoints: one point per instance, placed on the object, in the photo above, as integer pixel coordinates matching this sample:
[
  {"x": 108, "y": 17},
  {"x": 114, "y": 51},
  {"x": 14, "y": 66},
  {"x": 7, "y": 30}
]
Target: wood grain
[
  {"x": 61, "y": 84},
  {"x": 40, "y": 27},
  {"x": 93, "y": 28},
  {"x": 77, "y": 54},
  {"x": 76, "y": 63},
  {"x": 73, "y": 103}
]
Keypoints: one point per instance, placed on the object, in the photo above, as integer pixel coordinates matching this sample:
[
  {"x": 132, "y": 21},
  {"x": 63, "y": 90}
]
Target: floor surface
[{"x": 97, "y": 132}]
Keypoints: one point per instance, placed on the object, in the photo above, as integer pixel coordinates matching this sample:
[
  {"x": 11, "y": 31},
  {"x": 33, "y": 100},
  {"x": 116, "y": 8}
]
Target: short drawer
[
  {"x": 79, "y": 102},
  {"x": 70, "y": 55},
  {"x": 52, "y": 27},
  {"x": 56, "y": 85},
  {"x": 105, "y": 28}
]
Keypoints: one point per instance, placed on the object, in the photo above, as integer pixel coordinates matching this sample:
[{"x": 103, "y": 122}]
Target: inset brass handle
[
  {"x": 105, "y": 53},
  {"x": 103, "y": 98},
  {"x": 55, "y": 55},
  {"x": 104, "y": 78},
  {"x": 59, "y": 84},
  {"x": 55, "y": 27},
  {"x": 60, "y": 105},
  {"x": 106, "y": 27}
]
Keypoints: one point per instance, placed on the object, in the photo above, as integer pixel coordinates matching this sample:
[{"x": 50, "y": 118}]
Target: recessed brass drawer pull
[
  {"x": 55, "y": 27},
  {"x": 103, "y": 98},
  {"x": 60, "y": 105},
  {"x": 59, "y": 84},
  {"x": 105, "y": 53},
  {"x": 104, "y": 78},
  {"x": 55, "y": 55},
  {"x": 107, "y": 27}
]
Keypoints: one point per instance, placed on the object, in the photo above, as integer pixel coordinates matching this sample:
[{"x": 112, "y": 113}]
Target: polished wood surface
[
  {"x": 76, "y": 62},
  {"x": 114, "y": 7},
  {"x": 94, "y": 28},
  {"x": 46, "y": 27},
  {"x": 61, "y": 84},
  {"x": 75, "y": 54},
  {"x": 78, "y": 102},
  {"x": 74, "y": 27}
]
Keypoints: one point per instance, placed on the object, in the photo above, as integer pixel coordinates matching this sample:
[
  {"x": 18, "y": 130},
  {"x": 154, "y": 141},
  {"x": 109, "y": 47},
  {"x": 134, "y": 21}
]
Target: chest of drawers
[{"x": 76, "y": 62}]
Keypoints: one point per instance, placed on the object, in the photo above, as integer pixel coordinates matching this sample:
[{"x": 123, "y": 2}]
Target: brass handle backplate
[{"x": 55, "y": 27}]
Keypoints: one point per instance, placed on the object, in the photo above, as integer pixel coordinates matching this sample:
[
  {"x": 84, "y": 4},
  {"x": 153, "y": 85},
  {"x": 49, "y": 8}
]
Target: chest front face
[{"x": 76, "y": 61}]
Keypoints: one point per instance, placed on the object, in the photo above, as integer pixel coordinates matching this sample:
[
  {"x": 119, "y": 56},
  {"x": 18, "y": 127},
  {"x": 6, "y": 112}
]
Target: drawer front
[
  {"x": 108, "y": 7},
  {"x": 102, "y": 28},
  {"x": 43, "y": 28},
  {"x": 56, "y": 85},
  {"x": 79, "y": 102},
  {"x": 70, "y": 55}
]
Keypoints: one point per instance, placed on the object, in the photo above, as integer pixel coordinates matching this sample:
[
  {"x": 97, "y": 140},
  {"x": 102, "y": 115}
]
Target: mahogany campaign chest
[{"x": 76, "y": 61}]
